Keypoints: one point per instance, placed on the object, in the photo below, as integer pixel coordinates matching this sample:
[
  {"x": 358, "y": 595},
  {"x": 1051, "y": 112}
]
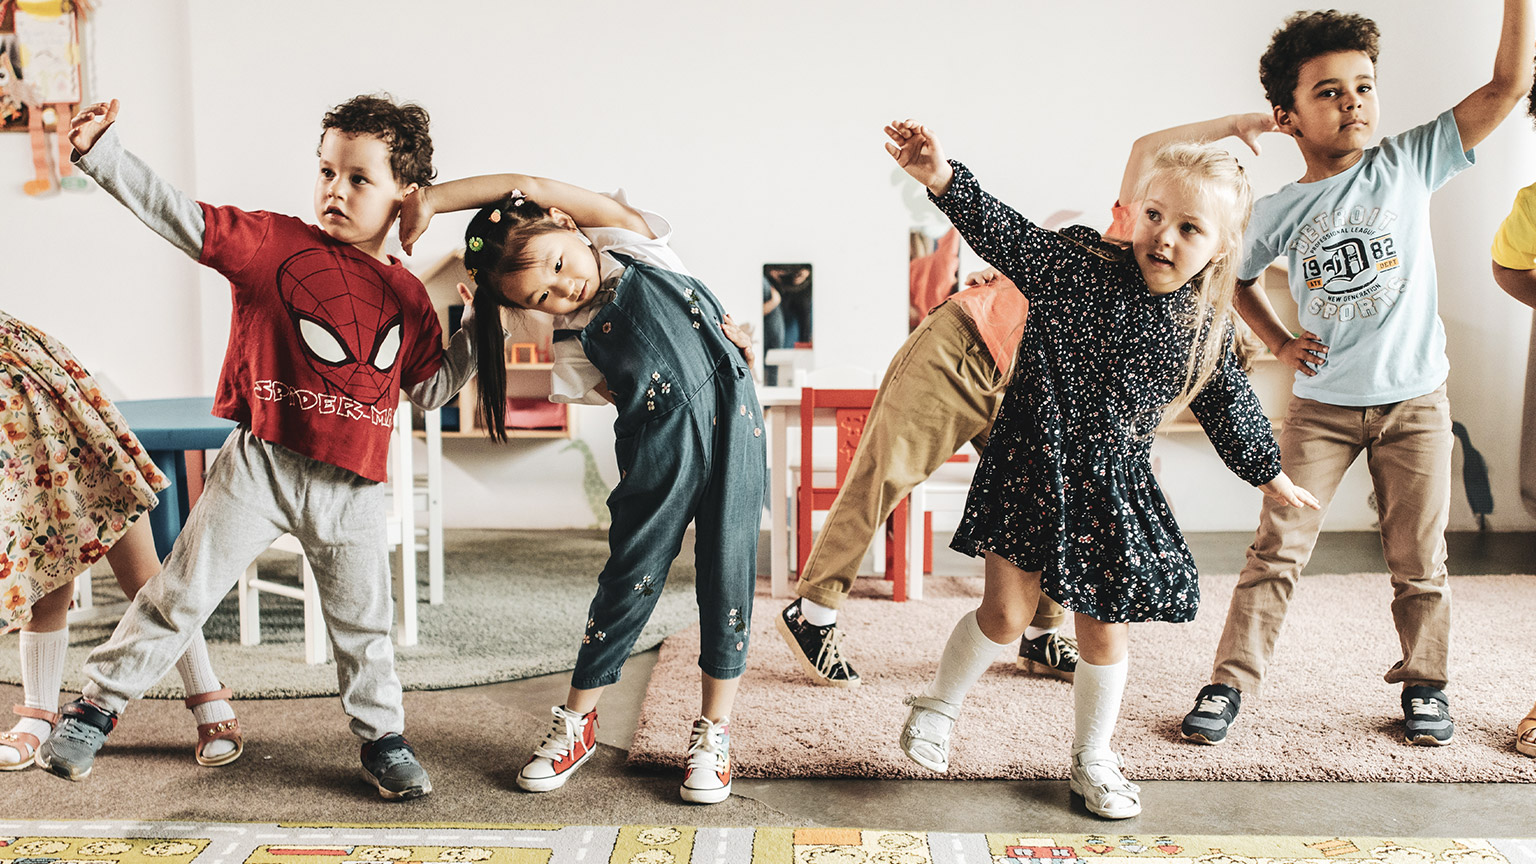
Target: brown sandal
[
  {"x": 23, "y": 742},
  {"x": 1525, "y": 735},
  {"x": 223, "y": 730}
]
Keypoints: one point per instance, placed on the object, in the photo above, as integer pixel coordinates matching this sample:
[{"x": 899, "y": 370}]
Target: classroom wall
[{"x": 757, "y": 131}]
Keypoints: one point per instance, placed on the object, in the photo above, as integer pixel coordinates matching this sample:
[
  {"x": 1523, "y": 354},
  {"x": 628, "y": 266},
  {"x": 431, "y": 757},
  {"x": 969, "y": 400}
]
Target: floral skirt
[{"x": 74, "y": 475}]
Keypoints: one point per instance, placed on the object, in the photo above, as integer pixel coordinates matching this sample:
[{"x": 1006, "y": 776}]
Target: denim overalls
[{"x": 691, "y": 447}]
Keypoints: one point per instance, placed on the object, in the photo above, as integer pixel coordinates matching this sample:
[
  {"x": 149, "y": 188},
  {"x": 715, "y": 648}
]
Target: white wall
[{"x": 757, "y": 132}]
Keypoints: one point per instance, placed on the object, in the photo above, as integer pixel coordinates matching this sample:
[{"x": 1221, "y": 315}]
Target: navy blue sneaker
[
  {"x": 1215, "y": 712},
  {"x": 1427, "y": 716},
  {"x": 391, "y": 765},
  {"x": 71, "y": 750}
]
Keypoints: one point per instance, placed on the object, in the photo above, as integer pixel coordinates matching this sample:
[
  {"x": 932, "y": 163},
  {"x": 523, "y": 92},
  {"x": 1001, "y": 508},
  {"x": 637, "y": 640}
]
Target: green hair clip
[{"x": 476, "y": 244}]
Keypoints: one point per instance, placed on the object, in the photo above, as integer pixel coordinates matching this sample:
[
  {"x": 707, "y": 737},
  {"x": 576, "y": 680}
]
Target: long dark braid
[{"x": 493, "y": 248}]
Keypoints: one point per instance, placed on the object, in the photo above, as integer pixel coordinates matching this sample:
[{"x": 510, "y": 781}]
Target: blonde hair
[{"x": 1216, "y": 173}]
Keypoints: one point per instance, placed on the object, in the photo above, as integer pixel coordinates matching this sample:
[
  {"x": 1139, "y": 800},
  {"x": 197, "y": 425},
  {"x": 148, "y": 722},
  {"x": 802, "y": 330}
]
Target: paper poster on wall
[{"x": 40, "y": 83}]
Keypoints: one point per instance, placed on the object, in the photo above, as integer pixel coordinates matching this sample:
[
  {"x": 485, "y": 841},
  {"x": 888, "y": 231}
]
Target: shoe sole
[
  {"x": 550, "y": 784},
  {"x": 805, "y": 663},
  {"x": 1199, "y": 737},
  {"x": 1072, "y": 785},
  {"x": 1037, "y": 668},
  {"x": 1525, "y": 749},
  {"x": 402, "y": 795},
  {"x": 43, "y": 764},
  {"x": 706, "y": 796},
  {"x": 1427, "y": 740}
]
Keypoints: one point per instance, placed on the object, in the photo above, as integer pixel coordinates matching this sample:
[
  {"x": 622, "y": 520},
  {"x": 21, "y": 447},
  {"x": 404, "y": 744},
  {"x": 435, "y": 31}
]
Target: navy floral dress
[{"x": 1065, "y": 486}]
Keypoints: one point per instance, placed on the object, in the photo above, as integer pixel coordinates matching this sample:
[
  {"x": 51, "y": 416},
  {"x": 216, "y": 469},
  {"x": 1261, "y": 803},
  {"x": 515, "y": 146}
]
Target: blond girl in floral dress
[{"x": 76, "y": 482}]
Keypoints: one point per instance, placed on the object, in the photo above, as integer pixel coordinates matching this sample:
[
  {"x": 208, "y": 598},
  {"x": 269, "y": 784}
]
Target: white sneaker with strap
[
  {"x": 925, "y": 736},
  {"x": 708, "y": 779}
]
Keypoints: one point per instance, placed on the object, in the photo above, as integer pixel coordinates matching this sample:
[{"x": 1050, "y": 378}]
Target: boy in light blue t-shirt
[{"x": 1371, "y": 364}]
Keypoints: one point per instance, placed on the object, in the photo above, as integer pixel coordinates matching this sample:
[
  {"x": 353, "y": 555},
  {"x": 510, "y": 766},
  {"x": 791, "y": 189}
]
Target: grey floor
[{"x": 1356, "y": 809}]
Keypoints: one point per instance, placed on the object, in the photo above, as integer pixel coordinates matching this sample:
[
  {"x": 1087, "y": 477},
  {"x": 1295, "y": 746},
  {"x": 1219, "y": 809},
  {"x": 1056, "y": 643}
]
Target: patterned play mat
[{"x": 254, "y": 843}]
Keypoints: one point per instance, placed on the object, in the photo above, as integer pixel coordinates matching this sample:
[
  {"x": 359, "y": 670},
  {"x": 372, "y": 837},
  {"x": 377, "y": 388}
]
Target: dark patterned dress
[{"x": 1065, "y": 486}]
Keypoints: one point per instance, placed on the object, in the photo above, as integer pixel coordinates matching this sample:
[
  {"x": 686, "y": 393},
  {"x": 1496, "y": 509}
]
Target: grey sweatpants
[{"x": 256, "y": 492}]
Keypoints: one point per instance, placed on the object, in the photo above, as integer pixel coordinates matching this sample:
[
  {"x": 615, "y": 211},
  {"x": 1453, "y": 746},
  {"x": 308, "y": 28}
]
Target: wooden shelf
[
  {"x": 511, "y": 433},
  {"x": 530, "y": 367}
]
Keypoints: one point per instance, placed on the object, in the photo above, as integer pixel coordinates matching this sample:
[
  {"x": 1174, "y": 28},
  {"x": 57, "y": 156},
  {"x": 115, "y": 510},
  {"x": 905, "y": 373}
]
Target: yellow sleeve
[{"x": 1514, "y": 245}]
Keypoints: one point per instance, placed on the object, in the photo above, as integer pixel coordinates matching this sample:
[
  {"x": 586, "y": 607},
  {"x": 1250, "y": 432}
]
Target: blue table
[{"x": 167, "y": 428}]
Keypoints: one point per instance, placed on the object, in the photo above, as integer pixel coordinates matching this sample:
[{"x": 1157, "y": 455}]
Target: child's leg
[
  {"x": 1096, "y": 695},
  {"x": 717, "y": 697},
  {"x": 234, "y": 521},
  {"x": 1317, "y": 444},
  {"x": 1410, "y": 462},
  {"x": 133, "y": 562},
  {"x": 44, "y": 639}
]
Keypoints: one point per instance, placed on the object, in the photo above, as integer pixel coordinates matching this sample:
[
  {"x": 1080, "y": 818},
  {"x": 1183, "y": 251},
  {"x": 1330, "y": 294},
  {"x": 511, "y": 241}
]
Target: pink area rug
[{"x": 1325, "y": 713}]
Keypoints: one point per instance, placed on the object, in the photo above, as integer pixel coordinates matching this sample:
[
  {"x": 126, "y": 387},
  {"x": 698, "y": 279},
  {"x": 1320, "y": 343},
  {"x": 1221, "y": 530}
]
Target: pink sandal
[
  {"x": 23, "y": 742},
  {"x": 1525, "y": 735},
  {"x": 223, "y": 730}
]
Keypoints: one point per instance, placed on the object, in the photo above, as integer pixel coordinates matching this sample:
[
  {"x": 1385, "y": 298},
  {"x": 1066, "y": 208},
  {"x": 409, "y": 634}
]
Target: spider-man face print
[{"x": 347, "y": 320}]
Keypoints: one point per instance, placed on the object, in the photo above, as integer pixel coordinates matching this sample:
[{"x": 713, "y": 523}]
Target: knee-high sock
[
  {"x": 42, "y": 671},
  {"x": 1096, "y": 694},
  {"x": 967, "y": 654},
  {"x": 198, "y": 677}
]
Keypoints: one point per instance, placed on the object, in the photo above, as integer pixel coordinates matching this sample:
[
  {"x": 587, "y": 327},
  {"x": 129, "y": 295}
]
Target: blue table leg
[{"x": 165, "y": 520}]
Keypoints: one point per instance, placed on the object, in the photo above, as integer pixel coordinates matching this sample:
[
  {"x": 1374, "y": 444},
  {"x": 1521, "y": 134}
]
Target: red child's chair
[{"x": 852, "y": 409}]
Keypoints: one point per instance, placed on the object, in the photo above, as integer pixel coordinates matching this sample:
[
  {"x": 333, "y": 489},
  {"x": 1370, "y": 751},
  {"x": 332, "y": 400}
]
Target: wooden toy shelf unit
[
  {"x": 1271, "y": 379},
  {"x": 530, "y": 414}
]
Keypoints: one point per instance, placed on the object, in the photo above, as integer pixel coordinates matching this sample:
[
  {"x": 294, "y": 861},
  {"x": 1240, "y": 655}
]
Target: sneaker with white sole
[
  {"x": 1104, "y": 789},
  {"x": 572, "y": 739},
  {"x": 1213, "y": 715},
  {"x": 925, "y": 736},
  {"x": 1052, "y": 654},
  {"x": 391, "y": 765},
  {"x": 817, "y": 649},
  {"x": 1427, "y": 716},
  {"x": 708, "y": 780}
]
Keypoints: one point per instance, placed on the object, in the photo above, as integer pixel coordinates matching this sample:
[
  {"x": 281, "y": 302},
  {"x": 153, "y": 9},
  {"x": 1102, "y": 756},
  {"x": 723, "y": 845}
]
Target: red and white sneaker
[
  {"x": 708, "y": 780},
  {"x": 571, "y": 740}
]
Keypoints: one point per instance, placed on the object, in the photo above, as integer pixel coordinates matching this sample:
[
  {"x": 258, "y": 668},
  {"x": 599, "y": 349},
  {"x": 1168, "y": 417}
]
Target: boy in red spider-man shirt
[{"x": 326, "y": 330}]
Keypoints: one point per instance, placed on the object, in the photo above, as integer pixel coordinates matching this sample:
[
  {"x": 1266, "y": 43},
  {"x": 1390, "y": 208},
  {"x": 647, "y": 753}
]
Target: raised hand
[
  {"x": 981, "y": 277},
  {"x": 1303, "y": 353},
  {"x": 90, "y": 123},
  {"x": 918, "y": 153},
  {"x": 415, "y": 214},
  {"x": 1283, "y": 490},
  {"x": 1250, "y": 126}
]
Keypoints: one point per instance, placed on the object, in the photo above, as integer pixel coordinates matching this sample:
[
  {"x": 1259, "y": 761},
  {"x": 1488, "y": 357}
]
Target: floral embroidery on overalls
[{"x": 644, "y": 586}]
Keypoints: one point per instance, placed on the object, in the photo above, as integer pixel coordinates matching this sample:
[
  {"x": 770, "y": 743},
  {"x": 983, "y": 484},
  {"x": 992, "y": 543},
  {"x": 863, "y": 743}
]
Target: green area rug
[
  {"x": 255, "y": 843},
  {"x": 516, "y": 606}
]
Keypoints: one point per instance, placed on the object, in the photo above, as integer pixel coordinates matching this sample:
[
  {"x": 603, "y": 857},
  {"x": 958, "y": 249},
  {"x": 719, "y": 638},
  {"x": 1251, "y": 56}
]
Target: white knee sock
[
  {"x": 1096, "y": 693},
  {"x": 42, "y": 671},
  {"x": 1032, "y": 632},
  {"x": 817, "y": 614},
  {"x": 967, "y": 654},
  {"x": 197, "y": 677}
]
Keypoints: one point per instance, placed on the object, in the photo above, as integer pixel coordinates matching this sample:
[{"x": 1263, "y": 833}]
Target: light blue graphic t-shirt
[{"x": 1362, "y": 269}]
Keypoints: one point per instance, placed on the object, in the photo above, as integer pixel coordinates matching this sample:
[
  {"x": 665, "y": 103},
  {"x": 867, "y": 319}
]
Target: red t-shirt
[{"x": 321, "y": 340}]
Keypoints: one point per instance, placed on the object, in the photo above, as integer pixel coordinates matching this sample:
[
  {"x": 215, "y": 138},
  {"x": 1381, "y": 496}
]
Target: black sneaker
[
  {"x": 816, "y": 648},
  {"x": 1052, "y": 654},
  {"x": 391, "y": 765},
  {"x": 71, "y": 750},
  {"x": 1215, "y": 712},
  {"x": 1427, "y": 716}
]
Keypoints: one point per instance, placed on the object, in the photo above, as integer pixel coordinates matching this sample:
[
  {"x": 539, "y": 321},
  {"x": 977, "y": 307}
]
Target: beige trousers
[
  {"x": 935, "y": 397},
  {"x": 1408, "y": 449}
]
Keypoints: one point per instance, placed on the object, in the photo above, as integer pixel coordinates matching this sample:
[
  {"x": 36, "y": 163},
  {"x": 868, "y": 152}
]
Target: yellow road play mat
[{"x": 44, "y": 842}]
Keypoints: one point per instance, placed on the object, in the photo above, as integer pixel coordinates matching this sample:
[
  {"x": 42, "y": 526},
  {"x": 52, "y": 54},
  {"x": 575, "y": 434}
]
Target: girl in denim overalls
[{"x": 632, "y": 327}]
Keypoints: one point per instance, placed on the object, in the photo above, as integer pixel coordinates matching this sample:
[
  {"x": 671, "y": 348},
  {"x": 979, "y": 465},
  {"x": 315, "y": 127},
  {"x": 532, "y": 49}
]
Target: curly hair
[
  {"x": 402, "y": 127},
  {"x": 1304, "y": 36}
]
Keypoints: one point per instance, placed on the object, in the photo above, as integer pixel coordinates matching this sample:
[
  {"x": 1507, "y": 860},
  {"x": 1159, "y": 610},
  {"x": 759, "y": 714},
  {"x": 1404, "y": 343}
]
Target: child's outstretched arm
[
  {"x": 586, "y": 208},
  {"x": 1248, "y": 127},
  {"x": 1487, "y": 106},
  {"x": 164, "y": 208},
  {"x": 917, "y": 151}
]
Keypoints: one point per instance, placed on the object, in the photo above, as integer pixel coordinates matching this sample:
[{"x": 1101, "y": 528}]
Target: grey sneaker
[
  {"x": 1052, "y": 654},
  {"x": 71, "y": 750},
  {"x": 391, "y": 765},
  {"x": 1214, "y": 713},
  {"x": 1427, "y": 716}
]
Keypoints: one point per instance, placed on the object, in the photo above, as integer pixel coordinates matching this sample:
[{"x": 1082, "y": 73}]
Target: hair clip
[
  {"x": 517, "y": 197},
  {"x": 472, "y": 271},
  {"x": 495, "y": 216},
  {"x": 476, "y": 244}
]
